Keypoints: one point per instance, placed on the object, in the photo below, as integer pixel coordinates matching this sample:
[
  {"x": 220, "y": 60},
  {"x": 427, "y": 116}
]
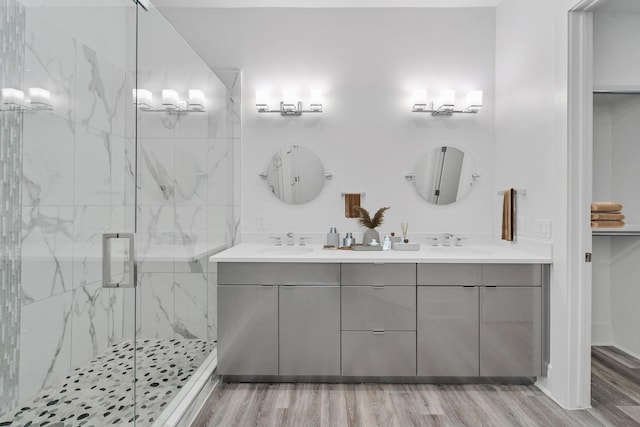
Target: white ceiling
[{"x": 325, "y": 3}]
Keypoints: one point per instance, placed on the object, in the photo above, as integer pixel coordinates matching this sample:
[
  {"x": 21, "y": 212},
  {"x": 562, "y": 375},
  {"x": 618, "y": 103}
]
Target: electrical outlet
[
  {"x": 260, "y": 225},
  {"x": 543, "y": 228}
]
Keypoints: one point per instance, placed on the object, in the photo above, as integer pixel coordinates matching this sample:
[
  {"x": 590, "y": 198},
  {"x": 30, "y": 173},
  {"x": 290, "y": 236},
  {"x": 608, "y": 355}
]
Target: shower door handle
[{"x": 130, "y": 270}]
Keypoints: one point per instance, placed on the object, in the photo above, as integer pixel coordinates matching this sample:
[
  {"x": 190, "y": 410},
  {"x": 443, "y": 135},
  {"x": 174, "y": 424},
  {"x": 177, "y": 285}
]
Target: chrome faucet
[
  {"x": 446, "y": 239},
  {"x": 277, "y": 239},
  {"x": 460, "y": 241},
  {"x": 289, "y": 239},
  {"x": 303, "y": 240}
]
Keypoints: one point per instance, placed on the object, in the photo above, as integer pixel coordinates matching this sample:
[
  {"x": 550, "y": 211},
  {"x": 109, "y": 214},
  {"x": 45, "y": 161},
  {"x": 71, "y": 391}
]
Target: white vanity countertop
[{"x": 480, "y": 253}]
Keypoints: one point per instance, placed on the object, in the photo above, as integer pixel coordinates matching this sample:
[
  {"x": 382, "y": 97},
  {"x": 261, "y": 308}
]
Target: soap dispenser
[
  {"x": 333, "y": 238},
  {"x": 386, "y": 245}
]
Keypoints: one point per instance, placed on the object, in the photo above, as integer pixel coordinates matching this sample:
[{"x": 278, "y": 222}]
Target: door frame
[{"x": 580, "y": 188}]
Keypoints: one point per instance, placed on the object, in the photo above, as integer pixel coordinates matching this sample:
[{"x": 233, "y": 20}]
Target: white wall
[
  {"x": 532, "y": 153},
  {"x": 615, "y": 174},
  {"x": 368, "y": 62},
  {"x": 531, "y": 126},
  {"x": 616, "y": 49},
  {"x": 615, "y": 177}
]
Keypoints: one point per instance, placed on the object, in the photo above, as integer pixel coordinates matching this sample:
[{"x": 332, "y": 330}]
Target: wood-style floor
[{"x": 615, "y": 402}]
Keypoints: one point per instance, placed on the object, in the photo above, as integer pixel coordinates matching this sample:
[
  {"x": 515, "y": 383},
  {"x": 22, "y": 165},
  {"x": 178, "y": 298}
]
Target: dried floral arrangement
[{"x": 365, "y": 219}]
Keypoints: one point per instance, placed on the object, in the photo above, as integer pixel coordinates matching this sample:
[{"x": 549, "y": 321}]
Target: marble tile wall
[
  {"x": 79, "y": 181},
  {"x": 11, "y": 75},
  {"x": 74, "y": 177},
  {"x": 186, "y": 208}
]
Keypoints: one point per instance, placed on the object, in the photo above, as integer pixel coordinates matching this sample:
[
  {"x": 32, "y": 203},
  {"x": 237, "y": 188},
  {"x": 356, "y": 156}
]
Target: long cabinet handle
[{"x": 107, "y": 280}]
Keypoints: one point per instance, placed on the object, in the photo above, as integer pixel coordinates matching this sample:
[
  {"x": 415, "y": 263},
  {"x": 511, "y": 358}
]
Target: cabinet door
[
  {"x": 448, "y": 331},
  {"x": 248, "y": 330},
  {"x": 510, "y": 331},
  {"x": 309, "y": 330}
]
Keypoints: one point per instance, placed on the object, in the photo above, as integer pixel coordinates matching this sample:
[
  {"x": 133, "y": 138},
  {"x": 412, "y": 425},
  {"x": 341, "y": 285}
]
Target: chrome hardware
[
  {"x": 460, "y": 240},
  {"x": 289, "y": 239},
  {"x": 277, "y": 239},
  {"x": 303, "y": 239},
  {"x": 434, "y": 241},
  {"x": 107, "y": 280}
]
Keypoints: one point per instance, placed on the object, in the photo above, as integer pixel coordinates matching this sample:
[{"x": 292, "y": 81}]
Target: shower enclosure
[{"x": 111, "y": 127}]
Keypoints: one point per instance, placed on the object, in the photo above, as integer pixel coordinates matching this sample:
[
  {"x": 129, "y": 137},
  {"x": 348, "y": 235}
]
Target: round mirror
[
  {"x": 295, "y": 175},
  {"x": 445, "y": 175}
]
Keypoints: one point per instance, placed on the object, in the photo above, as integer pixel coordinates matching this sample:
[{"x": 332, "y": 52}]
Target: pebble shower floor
[{"x": 100, "y": 392}]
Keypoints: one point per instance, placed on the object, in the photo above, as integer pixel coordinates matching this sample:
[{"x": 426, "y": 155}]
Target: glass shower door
[
  {"x": 66, "y": 140},
  {"x": 186, "y": 122}
]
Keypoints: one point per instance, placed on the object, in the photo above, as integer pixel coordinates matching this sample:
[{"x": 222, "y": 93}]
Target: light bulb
[{"x": 474, "y": 100}]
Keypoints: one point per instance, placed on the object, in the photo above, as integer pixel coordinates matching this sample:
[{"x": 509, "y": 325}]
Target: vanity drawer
[
  {"x": 512, "y": 274},
  {"x": 277, "y": 273},
  {"x": 385, "y": 354},
  {"x": 379, "y": 274},
  {"x": 449, "y": 274},
  {"x": 382, "y": 308}
]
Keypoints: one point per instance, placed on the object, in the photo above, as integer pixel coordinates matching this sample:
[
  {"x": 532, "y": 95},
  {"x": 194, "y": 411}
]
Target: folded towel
[
  {"x": 607, "y": 216},
  {"x": 606, "y": 207},
  {"x": 607, "y": 224},
  {"x": 507, "y": 214},
  {"x": 351, "y": 202}
]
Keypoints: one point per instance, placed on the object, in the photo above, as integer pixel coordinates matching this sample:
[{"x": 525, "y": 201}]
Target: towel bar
[
  {"x": 518, "y": 192},
  {"x": 361, "y": 194}
]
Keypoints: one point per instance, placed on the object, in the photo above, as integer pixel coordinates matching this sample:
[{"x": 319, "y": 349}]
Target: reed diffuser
[{"x": 404, "y": 227}]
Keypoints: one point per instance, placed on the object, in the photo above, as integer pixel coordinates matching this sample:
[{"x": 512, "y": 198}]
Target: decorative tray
[
  {"x": 405, "y": 246},
  {"x": 366, "y": 248}
]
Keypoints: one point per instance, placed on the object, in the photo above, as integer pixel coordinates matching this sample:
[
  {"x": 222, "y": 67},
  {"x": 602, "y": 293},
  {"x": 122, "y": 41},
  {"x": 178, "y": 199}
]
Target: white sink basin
[
  {"x": 286, "y": 250},
  {"x": 458, "y": 250}
]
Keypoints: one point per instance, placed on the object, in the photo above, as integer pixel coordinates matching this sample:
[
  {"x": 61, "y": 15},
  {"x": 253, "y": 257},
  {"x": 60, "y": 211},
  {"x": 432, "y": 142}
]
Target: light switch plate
[{"x": 543, "y": 228}]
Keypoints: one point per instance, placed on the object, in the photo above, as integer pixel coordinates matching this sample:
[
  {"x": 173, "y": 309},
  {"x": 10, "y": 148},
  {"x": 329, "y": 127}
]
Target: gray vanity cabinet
[
  {"x": 480, "y": 319},
  {"x": 448, "y": 319},
  {"x": 511, "y": 336},
  {"x": 511, "y": 331},
  {"x": 309, "y": 327},
  {"x": 248, "y": 330},
  {"x": 279, "y": 319},
  {"x": 448, "y": 343}
]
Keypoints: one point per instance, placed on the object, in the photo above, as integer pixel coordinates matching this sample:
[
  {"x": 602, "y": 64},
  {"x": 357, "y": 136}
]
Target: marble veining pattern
[
  {"x": 100, "y": 393},
  {"x": 12, "y": 26},
  {"x": 78, "y": 181}
]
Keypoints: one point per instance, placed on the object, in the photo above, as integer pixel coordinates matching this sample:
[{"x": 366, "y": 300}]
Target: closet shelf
[{"x": 627, "y": 230}]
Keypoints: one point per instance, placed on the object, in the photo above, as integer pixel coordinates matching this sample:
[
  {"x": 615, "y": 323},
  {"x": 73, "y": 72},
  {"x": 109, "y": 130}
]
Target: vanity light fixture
[
  {"x": 14, "y": 99},
  {"x": 171, "y": 102},
  {"x": 290, "y": 106},
  {"x": 445, "y": 103}
]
